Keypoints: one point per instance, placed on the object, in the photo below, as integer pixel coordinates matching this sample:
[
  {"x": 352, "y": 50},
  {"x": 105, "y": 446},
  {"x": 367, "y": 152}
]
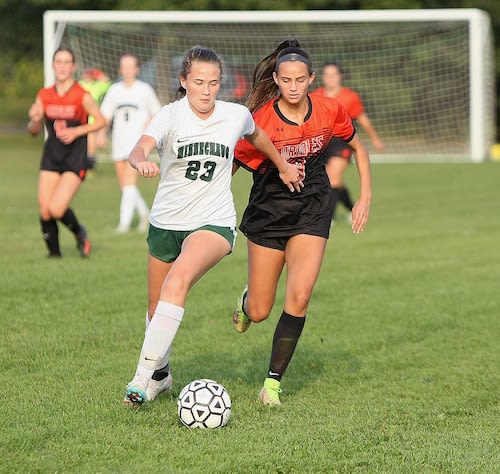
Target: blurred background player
[
  {"x": 339, "y": 152},
  {"x": 64, "y": 109},
  {"x": 129, "y": 105},
  {"x": 96, "y": 83}
]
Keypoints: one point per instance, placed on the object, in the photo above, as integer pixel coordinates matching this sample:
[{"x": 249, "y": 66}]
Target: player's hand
[
  {"x": 65, "y": 134},
  {"x": 148, "y": 169},
  {"x": 291, "y": 178},
  {"x": 35, "y": 113},
  {"x": 301, "y": 168},
  {"x": 360, "y": 213}
]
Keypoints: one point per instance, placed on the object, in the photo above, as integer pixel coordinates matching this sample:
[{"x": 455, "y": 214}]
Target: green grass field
[{"x": 397, "y": 370}]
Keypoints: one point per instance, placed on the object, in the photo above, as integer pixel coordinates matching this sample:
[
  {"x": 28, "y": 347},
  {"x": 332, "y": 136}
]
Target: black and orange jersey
[
  {"x": 307, "y": 142},
  {"x": 348, "y": 98},
  {"x": 66, "y": 107},
  {"x": 273, "y": 212},
  {"x": 64, "y": 111}
]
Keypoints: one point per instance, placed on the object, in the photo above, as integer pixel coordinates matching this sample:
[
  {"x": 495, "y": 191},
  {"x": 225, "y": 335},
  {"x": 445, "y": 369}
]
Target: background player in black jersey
[
  {"x": 64, "y": 109},
  {"x": 286, "y": 228}
]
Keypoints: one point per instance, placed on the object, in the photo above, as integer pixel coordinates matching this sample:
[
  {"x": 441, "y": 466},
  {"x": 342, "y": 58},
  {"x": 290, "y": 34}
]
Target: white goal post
[{"x": 426, "y": 76}]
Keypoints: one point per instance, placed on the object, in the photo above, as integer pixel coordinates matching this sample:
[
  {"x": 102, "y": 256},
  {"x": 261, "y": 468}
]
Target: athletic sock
[
  {"x": 334, "y": 195},
  {"x": 345, "y": 198},
  {"x": 158, "y": 338},
  {"x": 127, "y": 206},
  {"x": 243, "y": 299},
  {"x": 164, "y": 369},
  {"x": 286, "y": 336},
  {"x": 50, "y": 233},
  {"x": 70, "y": 221},
  {"x": 140, "y": 204}
]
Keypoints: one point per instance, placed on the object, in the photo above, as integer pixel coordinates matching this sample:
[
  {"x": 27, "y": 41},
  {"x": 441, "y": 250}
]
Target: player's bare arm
[
  {"x": 138, "y": 157},
  {"x": 361, "y": 209},
  {"x": 289, "y": 174},
  {"x": 35, "y": 115}
]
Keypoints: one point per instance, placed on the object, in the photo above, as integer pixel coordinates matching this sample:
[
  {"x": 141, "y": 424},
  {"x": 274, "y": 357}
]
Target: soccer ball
[{"x": 204, "y": 403}]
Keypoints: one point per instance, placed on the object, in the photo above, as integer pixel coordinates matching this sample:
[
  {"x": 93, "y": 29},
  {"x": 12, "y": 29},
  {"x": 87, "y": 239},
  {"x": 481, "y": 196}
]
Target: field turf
[{"x": 397, "y": 370}]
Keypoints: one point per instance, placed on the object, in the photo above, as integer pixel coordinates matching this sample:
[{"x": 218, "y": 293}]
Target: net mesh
[{"x": 413, "y": 78}]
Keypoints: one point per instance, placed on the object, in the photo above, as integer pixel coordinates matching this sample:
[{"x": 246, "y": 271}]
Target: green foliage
[
  {"x": 26, "y": 79},
  {"x": 396, "y": 370}
]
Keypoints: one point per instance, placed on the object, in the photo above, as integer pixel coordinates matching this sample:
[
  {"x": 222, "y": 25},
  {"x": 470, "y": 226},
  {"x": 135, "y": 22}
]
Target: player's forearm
[
  {"x": 365, "y": 122},
  {"x": 364, "y": 171},
  {"x": 137, "y": 156},
  {"x": 264, "y": 144},
  {"x": 34, "y": 126}
]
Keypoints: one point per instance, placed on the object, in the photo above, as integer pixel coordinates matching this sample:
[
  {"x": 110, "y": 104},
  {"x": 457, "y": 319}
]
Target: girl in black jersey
[
  {"x": 63, "y": 109},
  {"x": 285, "y": 228}
]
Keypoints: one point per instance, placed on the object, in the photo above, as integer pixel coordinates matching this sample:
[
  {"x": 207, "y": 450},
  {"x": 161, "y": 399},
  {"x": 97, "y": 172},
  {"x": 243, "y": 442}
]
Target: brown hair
[
  {"x": 263, "y": 86},
  {"x": 196, "y": 53},
  {"x": 67, "y": 50}
]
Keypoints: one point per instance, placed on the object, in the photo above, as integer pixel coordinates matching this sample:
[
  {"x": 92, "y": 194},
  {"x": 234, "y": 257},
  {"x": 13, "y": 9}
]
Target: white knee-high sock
[
  {"x": 164, "y": 361},
  {"x": 158, "y": 338},
  {"x": 139, "y": 203},
  {"x": 127, "y": 207}
]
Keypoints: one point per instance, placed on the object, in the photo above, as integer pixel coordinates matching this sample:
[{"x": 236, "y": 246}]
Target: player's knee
[
  {"x": 56, "y": 212},
  {"x": 175, "y": 287},
  {"x": 45, "y": 213},
  {"x": 257, "y": 312},
  {"x": 298, "y": 301}
]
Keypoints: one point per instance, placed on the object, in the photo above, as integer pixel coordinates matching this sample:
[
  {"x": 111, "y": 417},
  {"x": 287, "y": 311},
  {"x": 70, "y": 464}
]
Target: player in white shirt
[
  {"x": 129, "y": 106},
  {"x": 193, "y": 219}
]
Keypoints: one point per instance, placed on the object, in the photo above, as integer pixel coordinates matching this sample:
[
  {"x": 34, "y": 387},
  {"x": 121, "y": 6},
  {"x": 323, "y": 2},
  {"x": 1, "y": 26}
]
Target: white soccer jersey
[
  {"x": 130, "y": 108},
  {"x": 196, "y": 157}
]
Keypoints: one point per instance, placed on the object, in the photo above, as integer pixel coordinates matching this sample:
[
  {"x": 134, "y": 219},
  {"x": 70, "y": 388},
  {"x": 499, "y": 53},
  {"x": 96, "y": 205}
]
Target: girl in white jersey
[
  {"x": 193, "y": 218},
  {"x": 129, "y": 105}
]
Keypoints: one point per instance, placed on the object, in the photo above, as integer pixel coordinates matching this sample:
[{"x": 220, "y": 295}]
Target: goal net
[{"x": 426, "y": 77}]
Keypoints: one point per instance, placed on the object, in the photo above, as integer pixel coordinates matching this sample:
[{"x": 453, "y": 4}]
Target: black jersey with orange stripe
[{"x": 272, "y": 209}]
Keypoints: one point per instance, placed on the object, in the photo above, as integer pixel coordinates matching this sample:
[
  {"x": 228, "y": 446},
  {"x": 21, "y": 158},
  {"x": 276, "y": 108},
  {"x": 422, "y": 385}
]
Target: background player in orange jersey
[
  {"x": 339, "y": 151},
  {"x": 64, "y": 109}
]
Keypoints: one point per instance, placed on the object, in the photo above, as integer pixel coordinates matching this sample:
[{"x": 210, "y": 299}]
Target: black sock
[
  {"x": 160, "y": 374},
  {"x": 345, "y": 198},
  {"x": 50, "y": 233},
  {"x": 285, "y": 339},
  {"x": 335, "y": 194},
  {"x": 69, "y": 220},
  {"x": 243, "y": 302}
]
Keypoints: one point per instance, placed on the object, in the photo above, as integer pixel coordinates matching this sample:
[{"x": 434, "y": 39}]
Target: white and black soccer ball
[{"x": 204, "y": 403}]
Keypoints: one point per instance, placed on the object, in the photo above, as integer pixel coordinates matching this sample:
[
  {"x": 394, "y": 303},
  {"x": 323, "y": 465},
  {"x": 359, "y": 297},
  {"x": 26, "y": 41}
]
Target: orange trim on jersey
[
  {"x": 325, "y": 120},
  {"x": 348, "y": 98},
  {"x": 67, "y": 107}
]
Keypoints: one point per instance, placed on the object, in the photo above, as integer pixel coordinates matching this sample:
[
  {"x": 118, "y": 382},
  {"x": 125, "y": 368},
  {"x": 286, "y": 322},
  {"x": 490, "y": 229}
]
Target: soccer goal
[{"x": 426, "y": 76}]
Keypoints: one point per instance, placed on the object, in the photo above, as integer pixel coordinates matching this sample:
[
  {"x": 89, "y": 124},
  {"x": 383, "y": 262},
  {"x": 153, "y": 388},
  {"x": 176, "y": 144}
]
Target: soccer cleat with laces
[
  {"x": 83, "y": 243},
  {"x": 135, "y": 394},
  {"x": 269, "y": 394},
  {"x": 241, "y": 321},
  {"x": 155, "y": 387}
]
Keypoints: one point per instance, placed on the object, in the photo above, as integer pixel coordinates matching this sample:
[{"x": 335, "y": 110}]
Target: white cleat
[{"x": 156, "y": 387}]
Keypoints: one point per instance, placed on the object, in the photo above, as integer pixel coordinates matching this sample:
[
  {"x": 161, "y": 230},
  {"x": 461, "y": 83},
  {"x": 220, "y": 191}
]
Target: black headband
[{"x": 292, "y": 57}]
